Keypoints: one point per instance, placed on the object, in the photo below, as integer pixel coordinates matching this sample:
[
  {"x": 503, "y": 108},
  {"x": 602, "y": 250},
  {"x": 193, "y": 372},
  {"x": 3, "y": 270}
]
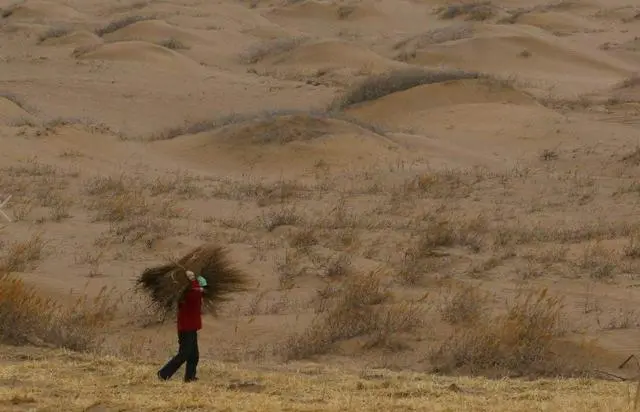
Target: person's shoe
[
  {"x": 160, "y": 377},
  {"x": 191, "y": 380}
]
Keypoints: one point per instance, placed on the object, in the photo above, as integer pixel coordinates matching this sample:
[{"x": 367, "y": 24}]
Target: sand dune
[
  {"x": 138, "y": 51},
  {"x": 311, "y": 9},
  {"x": 332, "y": 55},
  {"x": 42, "y": 10},
  {"x": 153, "y": 31},
  {"x": 11, "y": 112},
  {"x": 530, "y": 54},
  {"x": 471, "y": 111},
  {"x": 78, "y": 38},
  {"x": 291, "y": 142},
  {"x": 562, "y": 23},
  {"x": 441, "y": 95}
]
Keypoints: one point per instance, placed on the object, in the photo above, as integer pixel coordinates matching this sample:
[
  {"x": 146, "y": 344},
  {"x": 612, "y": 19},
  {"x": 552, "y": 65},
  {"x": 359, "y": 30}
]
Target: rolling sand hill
[{"x": 427, "y": 196}]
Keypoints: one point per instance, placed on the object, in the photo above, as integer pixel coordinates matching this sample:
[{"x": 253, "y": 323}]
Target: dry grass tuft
[
  {"x": 463, "y": 306},
  {"x": 354, "y": 309},
  {"x": 270, "y": 48},
  {"x": 22, "y": 255},
  {"x": 120, "y": 24},
  {"x": 54, "y": 33},
  {"x": 476, "y": 11},
  {"x": 521, "y": 341},
  {"x": 283, "y": 216},
  {"x": 28, "y": 318},
  {"x": 395, "y": 81},
  {"x": 173, "y": 44}
]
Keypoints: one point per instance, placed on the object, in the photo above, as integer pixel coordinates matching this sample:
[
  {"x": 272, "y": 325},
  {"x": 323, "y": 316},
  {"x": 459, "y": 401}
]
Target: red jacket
[{"x": 189, "y": 310}]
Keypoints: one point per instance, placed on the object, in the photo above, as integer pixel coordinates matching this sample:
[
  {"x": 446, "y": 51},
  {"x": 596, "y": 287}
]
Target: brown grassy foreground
[{"x": 87, "y": 383}]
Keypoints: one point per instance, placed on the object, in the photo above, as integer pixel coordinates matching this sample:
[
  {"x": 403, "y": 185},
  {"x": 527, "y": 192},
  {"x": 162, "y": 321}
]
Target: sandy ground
[{"x": 536, "y": 170}]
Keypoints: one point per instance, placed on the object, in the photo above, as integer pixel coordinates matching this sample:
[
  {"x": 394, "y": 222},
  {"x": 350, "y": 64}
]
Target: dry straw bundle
[{"x": 166, "y": 284}]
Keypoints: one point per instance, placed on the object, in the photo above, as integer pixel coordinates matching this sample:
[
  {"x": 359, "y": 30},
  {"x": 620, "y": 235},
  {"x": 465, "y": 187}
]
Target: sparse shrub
[
  {"x": 631, "y": 81},
  {"x": 268, "y": 48},
  {"x": 304, "y": 239},
  {"x": 548, "y": 155},
  {"x": 338, "y": 267},
  {"x": 108, "y": 185},
  {"x": 173, "y": 44},
  {"x": 425, "y": 252},
  {"x": 440, "y": 184},
  {"x": 278, "y": 192},
  {"x": 354, "y": 308},
  {"x": 59, "y": 209},
  {"x": 519, "y": 341},
  {"x": 345, "y": 11},
  {"x": 632, "y": 249},
  {"x": 632, "y": 158},
  {"x": 395, "y": 81},
  {"x": 116, "y": 199},
  {"x": 464, "y": 306},
  {"x": 143, "y": 229},
  {"x": 21, "y": 255},
  {"x": 285, "y": 216},
  {"x": 53, "y": 33},
  {"x": 120, "y": 207},
  {"x": 477, "y": 11},
  {"x": 178, "y": 183},
  {"x": 524, "y": 53},
  {"x": 120, "y": 24},
  {"x": 598, "y": 261},
  {"x": 289, "y": 268},
  {"x": 28, "y": 317}
]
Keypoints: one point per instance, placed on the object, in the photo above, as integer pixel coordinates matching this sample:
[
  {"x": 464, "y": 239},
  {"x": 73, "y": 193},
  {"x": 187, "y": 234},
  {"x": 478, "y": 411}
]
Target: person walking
[{"x": 189, "y": 323}]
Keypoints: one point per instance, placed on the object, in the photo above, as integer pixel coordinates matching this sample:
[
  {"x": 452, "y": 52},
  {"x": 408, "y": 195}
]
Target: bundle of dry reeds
[{"x": 166, "y": 284}]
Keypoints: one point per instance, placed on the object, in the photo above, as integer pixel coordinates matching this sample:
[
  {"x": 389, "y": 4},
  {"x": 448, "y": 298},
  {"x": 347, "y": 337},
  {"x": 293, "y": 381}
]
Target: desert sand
[{"x": 421, "y": 163}]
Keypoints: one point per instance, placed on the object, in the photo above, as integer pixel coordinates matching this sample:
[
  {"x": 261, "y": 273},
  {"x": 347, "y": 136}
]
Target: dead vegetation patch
[
  {"x": 520, "y": 341},
  {"x": 26, "y": 317},
  {"x": 463, "y": 305},
  {"x": 20, "y": 256},
  {"x": 34, "y": 184},
  {"x": 54, "y": 33},
  {"x": 270, "y": 48},
  {"x": 358, "y": 306},
  {"x": 173, "y": 44},
  {"x": 475, "y": 11},
  {"x": 138, "y": 210},
  {"x": 121, "y": 24}
]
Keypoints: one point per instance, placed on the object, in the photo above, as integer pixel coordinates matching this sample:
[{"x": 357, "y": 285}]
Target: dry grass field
[{"x": 436, "y": 201}]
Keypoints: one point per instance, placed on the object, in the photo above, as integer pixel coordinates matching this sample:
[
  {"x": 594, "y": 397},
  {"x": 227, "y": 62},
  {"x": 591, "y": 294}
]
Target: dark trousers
[{"x": 187, "y": 352}]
